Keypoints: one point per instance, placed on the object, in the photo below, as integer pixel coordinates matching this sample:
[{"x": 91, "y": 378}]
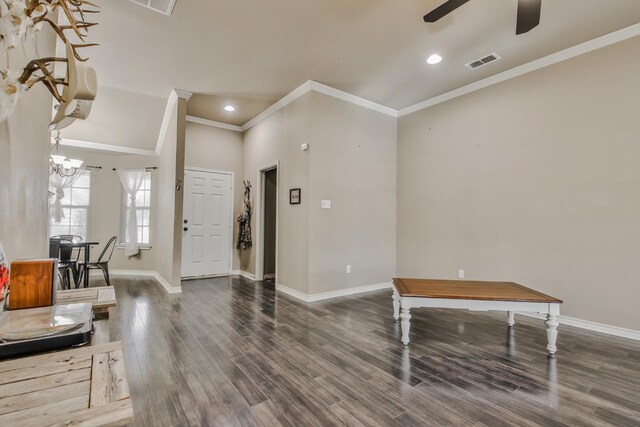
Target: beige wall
[
  {"x": 168, "y": 248},
  {"x": 217, "y": 149},
  {"x": 534, "y": 180},
  {"x": 24, "y": 162},
  {"x": 107, "y": 197},
  {"x": 353, "y": 164},
  {"x": 278, "y": 139}
]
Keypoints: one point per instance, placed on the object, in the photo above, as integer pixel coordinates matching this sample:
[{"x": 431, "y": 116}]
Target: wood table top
[
  {"x": 469, "y": 290},
  {"x": 101, "y": 298},
  {"x": 83, "y": 386}
]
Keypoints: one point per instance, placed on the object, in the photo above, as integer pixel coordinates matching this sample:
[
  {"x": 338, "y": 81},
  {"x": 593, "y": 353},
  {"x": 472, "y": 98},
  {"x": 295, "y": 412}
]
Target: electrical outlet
[
  {"x": 460, "y": 274},
  {"x": 325, "y": 204},
  {"x": 348, "y": 269}
]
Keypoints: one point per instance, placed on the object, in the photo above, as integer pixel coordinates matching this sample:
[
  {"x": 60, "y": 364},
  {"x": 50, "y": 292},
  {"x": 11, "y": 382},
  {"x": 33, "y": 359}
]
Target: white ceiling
[{"x": 253, "y": 52}]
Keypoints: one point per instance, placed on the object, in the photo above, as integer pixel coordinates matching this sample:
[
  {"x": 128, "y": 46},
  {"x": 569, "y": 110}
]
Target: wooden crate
[
  {"x": 101, "y": 298},
  {"x": 83, "y": 386}
]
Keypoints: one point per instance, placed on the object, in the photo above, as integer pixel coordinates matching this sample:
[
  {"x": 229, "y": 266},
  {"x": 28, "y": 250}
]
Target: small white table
[{"x": 473, "y": 295}]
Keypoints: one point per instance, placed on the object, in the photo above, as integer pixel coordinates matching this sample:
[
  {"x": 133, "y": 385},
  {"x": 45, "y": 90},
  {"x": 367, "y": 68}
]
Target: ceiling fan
[{"x": 528, "y": 13}]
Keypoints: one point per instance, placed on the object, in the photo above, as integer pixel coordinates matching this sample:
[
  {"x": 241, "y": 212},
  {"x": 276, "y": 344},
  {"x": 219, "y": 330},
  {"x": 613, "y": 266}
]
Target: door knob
[
  {"x": 186, "y": 222},
  {"x": 185, "y": 229}
]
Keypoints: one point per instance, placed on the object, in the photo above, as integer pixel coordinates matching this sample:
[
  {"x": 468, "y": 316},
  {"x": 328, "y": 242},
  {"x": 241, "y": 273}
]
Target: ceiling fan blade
[
  {"x": 528, "y": 15},
  {"x": 443, "y": 10}
]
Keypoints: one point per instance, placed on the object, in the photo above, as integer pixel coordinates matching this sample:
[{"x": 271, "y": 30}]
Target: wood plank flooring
[{"x": 228, "y": 352}]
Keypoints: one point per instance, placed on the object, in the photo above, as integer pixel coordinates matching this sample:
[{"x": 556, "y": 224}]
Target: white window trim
[
  {"x": 123, "y": 220},
  {"x": 88, "y": 207},
  {"x": 141, "y": 246}
]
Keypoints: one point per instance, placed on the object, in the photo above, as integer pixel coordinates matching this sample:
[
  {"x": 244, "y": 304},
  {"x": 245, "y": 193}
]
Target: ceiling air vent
[
  {"x": 163, "y": 6},
  {"x": 483, "y": 61}
]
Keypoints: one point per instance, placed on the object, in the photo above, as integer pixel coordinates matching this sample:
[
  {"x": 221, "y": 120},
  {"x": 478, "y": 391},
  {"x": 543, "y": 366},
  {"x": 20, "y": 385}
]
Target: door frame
[
  {"x": 260, "y": 218},
  {"x": 231, "y": 245}
]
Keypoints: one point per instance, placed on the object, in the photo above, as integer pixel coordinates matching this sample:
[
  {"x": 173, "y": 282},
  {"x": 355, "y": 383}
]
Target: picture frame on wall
[{"x": 295, "y": 196}]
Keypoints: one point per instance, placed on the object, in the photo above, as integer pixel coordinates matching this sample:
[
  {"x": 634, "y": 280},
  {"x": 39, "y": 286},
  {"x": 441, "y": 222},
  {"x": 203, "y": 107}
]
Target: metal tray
[{"x": 43, "y": 329}]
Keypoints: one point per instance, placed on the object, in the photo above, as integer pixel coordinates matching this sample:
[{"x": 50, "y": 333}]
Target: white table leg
[
  {"x": 552, "y": 327},
  {"x": 552, "y": 333},
  {"x": 396, "y": 306},
  {"x": 511, "y": 318},
  {"x": 405, "y": 324}
]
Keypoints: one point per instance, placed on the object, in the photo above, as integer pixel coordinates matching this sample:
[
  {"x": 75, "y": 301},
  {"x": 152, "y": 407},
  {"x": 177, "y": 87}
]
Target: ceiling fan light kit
[{"x": 528, "y": 16}]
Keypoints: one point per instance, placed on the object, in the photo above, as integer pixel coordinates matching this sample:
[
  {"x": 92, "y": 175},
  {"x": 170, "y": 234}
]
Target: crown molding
[
  {"x": 288, "y": 99},
  {"x": 183, "y": 94},
  {"x": 164, "y": 127},
  {"x": 345, "y": 96},
  {"x": 311, "y": 85},
  {"x": 554, "y": 58},
  {"x": 104, "y": 147},
  {"x": 213, "y": 123}
]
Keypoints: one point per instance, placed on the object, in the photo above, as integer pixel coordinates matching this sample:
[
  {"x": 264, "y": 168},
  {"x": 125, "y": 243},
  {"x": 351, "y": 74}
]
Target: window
[
  {"x": 75, "y": 206},
  {"x": 143, "y": 211}
]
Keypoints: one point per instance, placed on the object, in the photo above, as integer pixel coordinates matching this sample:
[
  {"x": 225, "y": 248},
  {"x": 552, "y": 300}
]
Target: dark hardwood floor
[{"x": 230, "y": 352}]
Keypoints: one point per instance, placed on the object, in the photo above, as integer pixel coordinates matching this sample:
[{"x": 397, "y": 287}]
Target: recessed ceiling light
[
  {"x": 229, "y": 108},
  {"x": 434, "y": 59}
]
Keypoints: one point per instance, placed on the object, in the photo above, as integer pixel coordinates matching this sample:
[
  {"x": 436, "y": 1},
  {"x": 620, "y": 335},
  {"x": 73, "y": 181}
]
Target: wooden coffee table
[{"x": 476, "y": 296}]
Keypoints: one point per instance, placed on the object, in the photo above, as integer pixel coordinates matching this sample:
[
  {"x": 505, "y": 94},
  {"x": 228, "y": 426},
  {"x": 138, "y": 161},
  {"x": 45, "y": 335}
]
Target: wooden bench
[
  {"x": 83, "y": 386},
  {"x": 101, "y": 298}
]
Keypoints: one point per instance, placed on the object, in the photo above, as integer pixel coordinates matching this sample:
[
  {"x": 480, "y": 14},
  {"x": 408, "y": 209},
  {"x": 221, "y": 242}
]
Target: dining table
[{"x": 86, "y": 245}]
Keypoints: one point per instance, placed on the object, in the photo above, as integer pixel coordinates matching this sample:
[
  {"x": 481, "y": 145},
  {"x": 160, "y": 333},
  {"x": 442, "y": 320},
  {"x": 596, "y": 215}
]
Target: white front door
[{"x": 207, "y": 224}]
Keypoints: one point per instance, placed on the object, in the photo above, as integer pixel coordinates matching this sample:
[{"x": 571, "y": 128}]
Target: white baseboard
[
  {"x": 244, "y": 274},
  {"x": 212, "y": 276},
  {"x": 292, "y": 292},
  {"x": 592, "y": 326},
  {"x": 166, "y": 285},
  {"x": 563, "y": 320},
  {"x": 149, "y": 273},
  {"x": 127, "y": 272},
  {"x": 332, "y": 294}
]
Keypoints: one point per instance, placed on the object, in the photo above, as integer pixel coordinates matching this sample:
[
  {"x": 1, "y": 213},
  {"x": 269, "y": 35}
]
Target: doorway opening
[
  {"x": 267, "y": 231},
  {"x": 270, "y": 224}
]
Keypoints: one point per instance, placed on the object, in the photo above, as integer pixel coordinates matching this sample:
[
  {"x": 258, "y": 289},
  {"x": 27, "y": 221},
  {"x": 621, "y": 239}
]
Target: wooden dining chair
[{"x": 102, "y": 263}]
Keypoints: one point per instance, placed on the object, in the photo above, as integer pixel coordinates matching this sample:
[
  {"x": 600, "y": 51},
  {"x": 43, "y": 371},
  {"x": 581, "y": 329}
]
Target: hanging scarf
[{"x": 244, "y": 219}]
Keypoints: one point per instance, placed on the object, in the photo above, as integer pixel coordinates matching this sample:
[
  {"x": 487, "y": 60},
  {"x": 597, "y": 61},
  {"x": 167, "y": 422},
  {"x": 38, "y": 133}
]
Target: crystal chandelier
[{"x": 59, "y": 163}]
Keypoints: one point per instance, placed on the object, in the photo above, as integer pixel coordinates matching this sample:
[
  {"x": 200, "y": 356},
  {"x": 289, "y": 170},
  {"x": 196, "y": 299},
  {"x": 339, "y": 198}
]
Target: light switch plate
[{"x": 325, "y": 204}]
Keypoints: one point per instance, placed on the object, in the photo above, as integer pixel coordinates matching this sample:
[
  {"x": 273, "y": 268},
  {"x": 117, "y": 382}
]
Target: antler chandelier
[{"x": 22, "y": 19}]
